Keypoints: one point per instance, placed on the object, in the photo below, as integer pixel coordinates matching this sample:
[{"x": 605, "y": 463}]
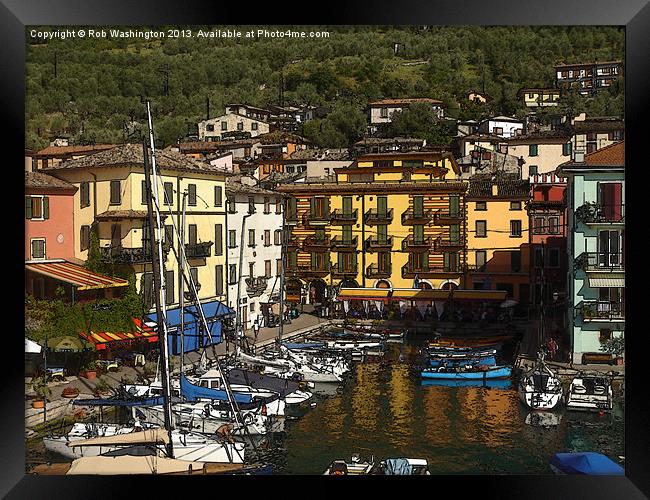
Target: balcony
[
  {"x": 600, "y": 262},
  {"x": 374, "y": 271},
  {"x": 291, "y": 219},
  {"x": 446, "y": 217},
  {"x": 256, "y": 286},
  {"x": 410, "y": 217},
  {"x": 343, "y": 271},
  {"x": 444, "y": 245},
  {"x": 293, "y": 242},
  {"x": 595, "y": 310},
  {"x": 595, "y": 213},
  {"x": 343, "y": 244},
  {"x": 411, "y": 244},
  {"x": 121, "y": 255},
  {"x": 198, "y": 250},
  {"x": 316, "y": 242},
  {"x": 373, "y": 217},
  {"x": 305, "y": 270},
  {"x": 411, "y": 271},
  {"x": 343, "y": 217},
  {"x": 316, "y": 218},
  {"x": 377, "y": 244}
]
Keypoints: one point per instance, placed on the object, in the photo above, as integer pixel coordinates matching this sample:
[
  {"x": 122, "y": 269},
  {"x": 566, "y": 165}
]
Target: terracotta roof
[
  {"x": 596, "y": 124},
  {"x": 211, "y": 146},
  {"x": 482, "y": 137},
  {"x": 388, "y": 140},
  {"x": 357, "y": 187},
  {"x": 612, "y": 155},
  {"x": 508, "y": 186},
  {"x": 321, "y": 154},
  {"x": 72, "y": 150},
  {"x": 131, "y": 154},
  {"x": 44, "y": 181},
  {"x": 541, "y": 136},
  {"x": 234, "y": 186},
  {"x": 281, "y": 137},
  {"x": 384, "y": 102}
]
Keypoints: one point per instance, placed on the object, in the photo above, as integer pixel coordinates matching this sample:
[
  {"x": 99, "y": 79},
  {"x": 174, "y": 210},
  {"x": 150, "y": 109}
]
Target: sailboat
[{"x": 539, "y": 388}]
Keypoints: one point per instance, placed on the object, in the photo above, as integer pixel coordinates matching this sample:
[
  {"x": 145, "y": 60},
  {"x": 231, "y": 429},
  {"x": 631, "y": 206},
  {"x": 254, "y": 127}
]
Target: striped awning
[
  {"x": 607, "y": 280},
  {"x": 80, "y": 277},
  {"x": 363, "y": 294},
  {"x": 140, "y": 332},
  {"x": 418, "y": 294}
]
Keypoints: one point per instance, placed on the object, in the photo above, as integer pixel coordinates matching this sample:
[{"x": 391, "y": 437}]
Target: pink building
[{"x": 49, "y": 217}]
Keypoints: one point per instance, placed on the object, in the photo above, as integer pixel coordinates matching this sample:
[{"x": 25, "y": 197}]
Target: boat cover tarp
[
  {"x": 488, "y": 360},
  {"x": 261, "y": 361},
  {"x": 259, "y": 381},
  {"x": 398, "y": 467},
  {"x": 194, "y": 335},
  {"x": 128, "y": 464},
  {"x": 493, "y": 372},
  {"x": 194, "y": 392},
  {"x": 119, "y": 402},
  {"x": 303, "y": 345},
  {"x": 150, "y": 436},
  {"x": 586, "y": 463}
]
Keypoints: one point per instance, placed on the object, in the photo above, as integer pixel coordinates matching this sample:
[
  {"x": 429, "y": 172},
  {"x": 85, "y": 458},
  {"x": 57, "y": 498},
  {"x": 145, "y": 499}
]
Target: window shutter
[
  {"x": 218, "y": 239},
  {"x": 28, "y": 207},
  {"x": 46, "y": 207},
  {"x": 144, "y": 192}
]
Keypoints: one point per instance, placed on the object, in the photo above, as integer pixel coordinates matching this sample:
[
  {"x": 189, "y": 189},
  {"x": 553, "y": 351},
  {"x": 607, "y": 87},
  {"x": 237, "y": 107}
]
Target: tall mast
[
  {"x": 151, "y": 184},
  {"x": 283, "y": 254},
  {"x": 181, "y": 241}
]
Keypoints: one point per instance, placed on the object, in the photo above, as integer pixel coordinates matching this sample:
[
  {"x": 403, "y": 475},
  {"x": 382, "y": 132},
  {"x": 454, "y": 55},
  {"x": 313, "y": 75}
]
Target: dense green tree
[{"x": 420, "y": 121}]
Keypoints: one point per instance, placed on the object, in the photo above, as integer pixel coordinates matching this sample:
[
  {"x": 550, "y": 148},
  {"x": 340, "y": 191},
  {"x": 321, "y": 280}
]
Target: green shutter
[
  {"x": 347, "y": 205},
  {"x": 46, "y": 207},
  {"x": 312, "y": 206},
  {"x": 28, "y": 207},
  {"x": 418, "y": 206},
  {"x": 454, "y": 233},
  {"x": 446, "y": 256},
  {"x": 454, "y": 205},
  {"x": 382, "y": 205}
]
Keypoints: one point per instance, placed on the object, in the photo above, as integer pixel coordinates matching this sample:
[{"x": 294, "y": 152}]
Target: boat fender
[
  {"x": 206, "y": 410},
  {"x": 248, "y": 419},
  {"x": 264, "y": 409}
]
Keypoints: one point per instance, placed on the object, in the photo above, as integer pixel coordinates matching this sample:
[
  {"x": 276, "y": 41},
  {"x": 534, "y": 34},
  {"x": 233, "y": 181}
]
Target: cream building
[
  {"x": 540, "y": 151},
  {"x": 215, "y": 128}
]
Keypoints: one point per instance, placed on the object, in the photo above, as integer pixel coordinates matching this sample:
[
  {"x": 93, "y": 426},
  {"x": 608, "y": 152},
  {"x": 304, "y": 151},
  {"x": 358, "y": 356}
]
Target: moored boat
[
  {"x": 468, "y": 373},
  {"x": 588, "y": 462},
  {"x": 590, "y": 393},
  {"x": 539, "y": 388}
]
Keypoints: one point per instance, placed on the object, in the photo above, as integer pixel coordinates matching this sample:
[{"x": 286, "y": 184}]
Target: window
[
  {"x": 267, "y": 268},
  {"x": 616, "y": 135},
  {"x": 481, "y": 258},
  {"x": 37, "y": 207},
  {"x": 605, "y": 334},
  {"x": 218, "y": 239},
  {"x": 232, "y": 274},
  {"x": 84, "y": 194},
  {"x": 169, "y": 287},
  {"x": 85, "y": 238},
  {"x": 251, "y": 237},
  {"x": 231, "y": 204},
  {"x": 267, "y": 205},
  {"x": 450, "y": 261},
  {"x": 251, "y": 269},
  {"x": 218, "y": 196},
  {"x": 566, "y": 149},
  {"x": 277, "y": 237},
  {"x": 116, "y": 192},
  {"x": 481, "y": 205},
  {"x": 532, "y": 150},
  {"x": 497, "y": 130},
  {"x": 169, "y": 193},
  {"x": 169, "y": 234},
  {"x": 254, "y": 126},
  {"x": 515, "y": 229},
  {"x": 210, "y": 127},
  {"x": 554, "y": 257},
  {"x": 267, "y": 237},
  {"x": 278, "y": 206},
  {"x": 539, "y": 257},
  {"x": 553, "y": 223},
  {"x": 232, "y": 239},
  {"x": 481, "y": 229},
  {"x": 538, "y": 225},
  {"x": 147, "y": 290},
  {"x": 194, "y": 273},
  {"x": 240, "y": 126},
  {"x": 224, "y": 126},
  {"x": 191, "y": 195},
  {"x": 515, "y": 261},
  {"x": 533, "y": 169},
  {"x": 38, "y": 248},
  {"x": 591, "y": 136},
  {"x": 383, "y": 112},
  {"x": 278, "y": 267},
  {"x": 191, "y": 230},
  {"x": 412, "y": 163},
  {"x": 515, "y": 205},
  {"x": 251, "y": 205},
  {"x": 219, "y": 279}
]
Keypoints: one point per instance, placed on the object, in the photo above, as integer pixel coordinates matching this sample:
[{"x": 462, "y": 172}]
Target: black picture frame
[{"x": 16, "y": 14}]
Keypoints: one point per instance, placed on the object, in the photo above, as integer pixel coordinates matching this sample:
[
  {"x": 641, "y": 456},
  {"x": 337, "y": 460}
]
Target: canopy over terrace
[
  {"x": 104, "y": 340},
  {"x": 416, "y": 294}
]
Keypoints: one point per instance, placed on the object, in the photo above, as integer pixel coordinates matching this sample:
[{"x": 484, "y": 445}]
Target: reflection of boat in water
[
  {"x": 503, "y": 383},
  {"x": 588, "y": 462},
  {"x": 590, "y": 393},
  {"x": 543, "y": 419},
  {"x": 388, "y": 467}
]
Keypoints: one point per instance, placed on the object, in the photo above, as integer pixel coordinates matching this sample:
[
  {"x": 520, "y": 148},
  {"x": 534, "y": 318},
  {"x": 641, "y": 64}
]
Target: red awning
[
  {"x": 141, "y": 332},
  {"x": 78, "y": 276}
]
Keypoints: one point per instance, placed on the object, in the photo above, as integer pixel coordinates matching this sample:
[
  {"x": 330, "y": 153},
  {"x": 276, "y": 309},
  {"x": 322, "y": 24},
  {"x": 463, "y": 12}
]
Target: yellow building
[
  {"x": 111, "y": 198},
  {"x": 498, "y": 253},
  {"x": 387, "y": 219},
  {"x": 534, "y": 98}
]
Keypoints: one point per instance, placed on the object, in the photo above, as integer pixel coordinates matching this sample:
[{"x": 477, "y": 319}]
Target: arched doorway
[
  {"x": 449, "y": 285},
  {"x": 383, "y": 284},
  {"x": 424, "y": 285},
  {"x": 316, "y": 291},
  {"x": 348, "y": 284}
]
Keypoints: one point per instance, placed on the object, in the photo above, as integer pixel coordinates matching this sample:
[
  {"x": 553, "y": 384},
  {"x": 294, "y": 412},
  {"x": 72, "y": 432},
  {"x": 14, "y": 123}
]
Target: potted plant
[
  {"x": 39, "y": 385},
  {"x": 70, "y": 392},
  {"x": 102, "y": 388},
  {"x": 89, "y": 370},
  {"x": 615, "y": 346}
]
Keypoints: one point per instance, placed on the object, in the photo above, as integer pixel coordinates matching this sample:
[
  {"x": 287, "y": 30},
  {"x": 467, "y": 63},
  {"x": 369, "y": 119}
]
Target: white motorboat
[
  {"x": 590, "y": 393},
  {"x": 82, "y": 431},
  {"x": 539, "y": 388},
  {"x": 390, "y": 466}
]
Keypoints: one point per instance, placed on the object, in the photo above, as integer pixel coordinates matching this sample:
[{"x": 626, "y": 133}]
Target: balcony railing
[
  {"x": 344, "y": 243},
  {"x": 309, "y": 269},
  {"x": 599, "y": 262},
  {"x": 441, "y": 244},
  {"x": 601, "y": 310},
  {"x": 374, "y": 216},
  {"x": 374, "y": 271},
  {"x": 122, "y": 255},
  {"x": 315, "y": 218},
  {"x": 410, "y": 217},
  {"x": 343, "y": 270},
  {"x": 198, "y": 250},
  {"x": 596, "y": 213},
  {"x": 375, "y": 244},
  {"x": 316, "y": 242},
  {"x": 341, "y": 216},
  {"x": 293, "y": 242},
  {"x": 447, "y": 217},
  {"x": 256, "y": 286},
  {"x": 411, "y": 242},
  {"x": 410, "y": 271}
]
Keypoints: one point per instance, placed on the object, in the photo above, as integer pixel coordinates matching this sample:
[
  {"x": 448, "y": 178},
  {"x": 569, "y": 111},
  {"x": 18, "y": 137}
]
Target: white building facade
[{"x": 215, "y": 128}]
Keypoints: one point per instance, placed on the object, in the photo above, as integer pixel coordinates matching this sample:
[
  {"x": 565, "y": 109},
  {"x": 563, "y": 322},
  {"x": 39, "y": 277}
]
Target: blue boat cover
[
  {"x": 587, "y": 462},
  {"x": 194, "y": 336},
  {"x": 119, "y": 402},
  {"x": 489, "y": 361},
  {"x": 305, "y": 345},
  {"x": 495, "y": 383},
  {"x": 194, "y": 392},
  {"x": 398, "y": 467}
]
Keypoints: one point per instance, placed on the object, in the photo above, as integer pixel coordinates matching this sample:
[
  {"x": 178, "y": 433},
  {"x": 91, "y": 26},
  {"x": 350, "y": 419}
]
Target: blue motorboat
[
  {"x": 482, "y": 360},
  {"x": 473, "y": 373},
  {"x": 496, "y": 383},
  {"x": 587, "y": 462}
]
